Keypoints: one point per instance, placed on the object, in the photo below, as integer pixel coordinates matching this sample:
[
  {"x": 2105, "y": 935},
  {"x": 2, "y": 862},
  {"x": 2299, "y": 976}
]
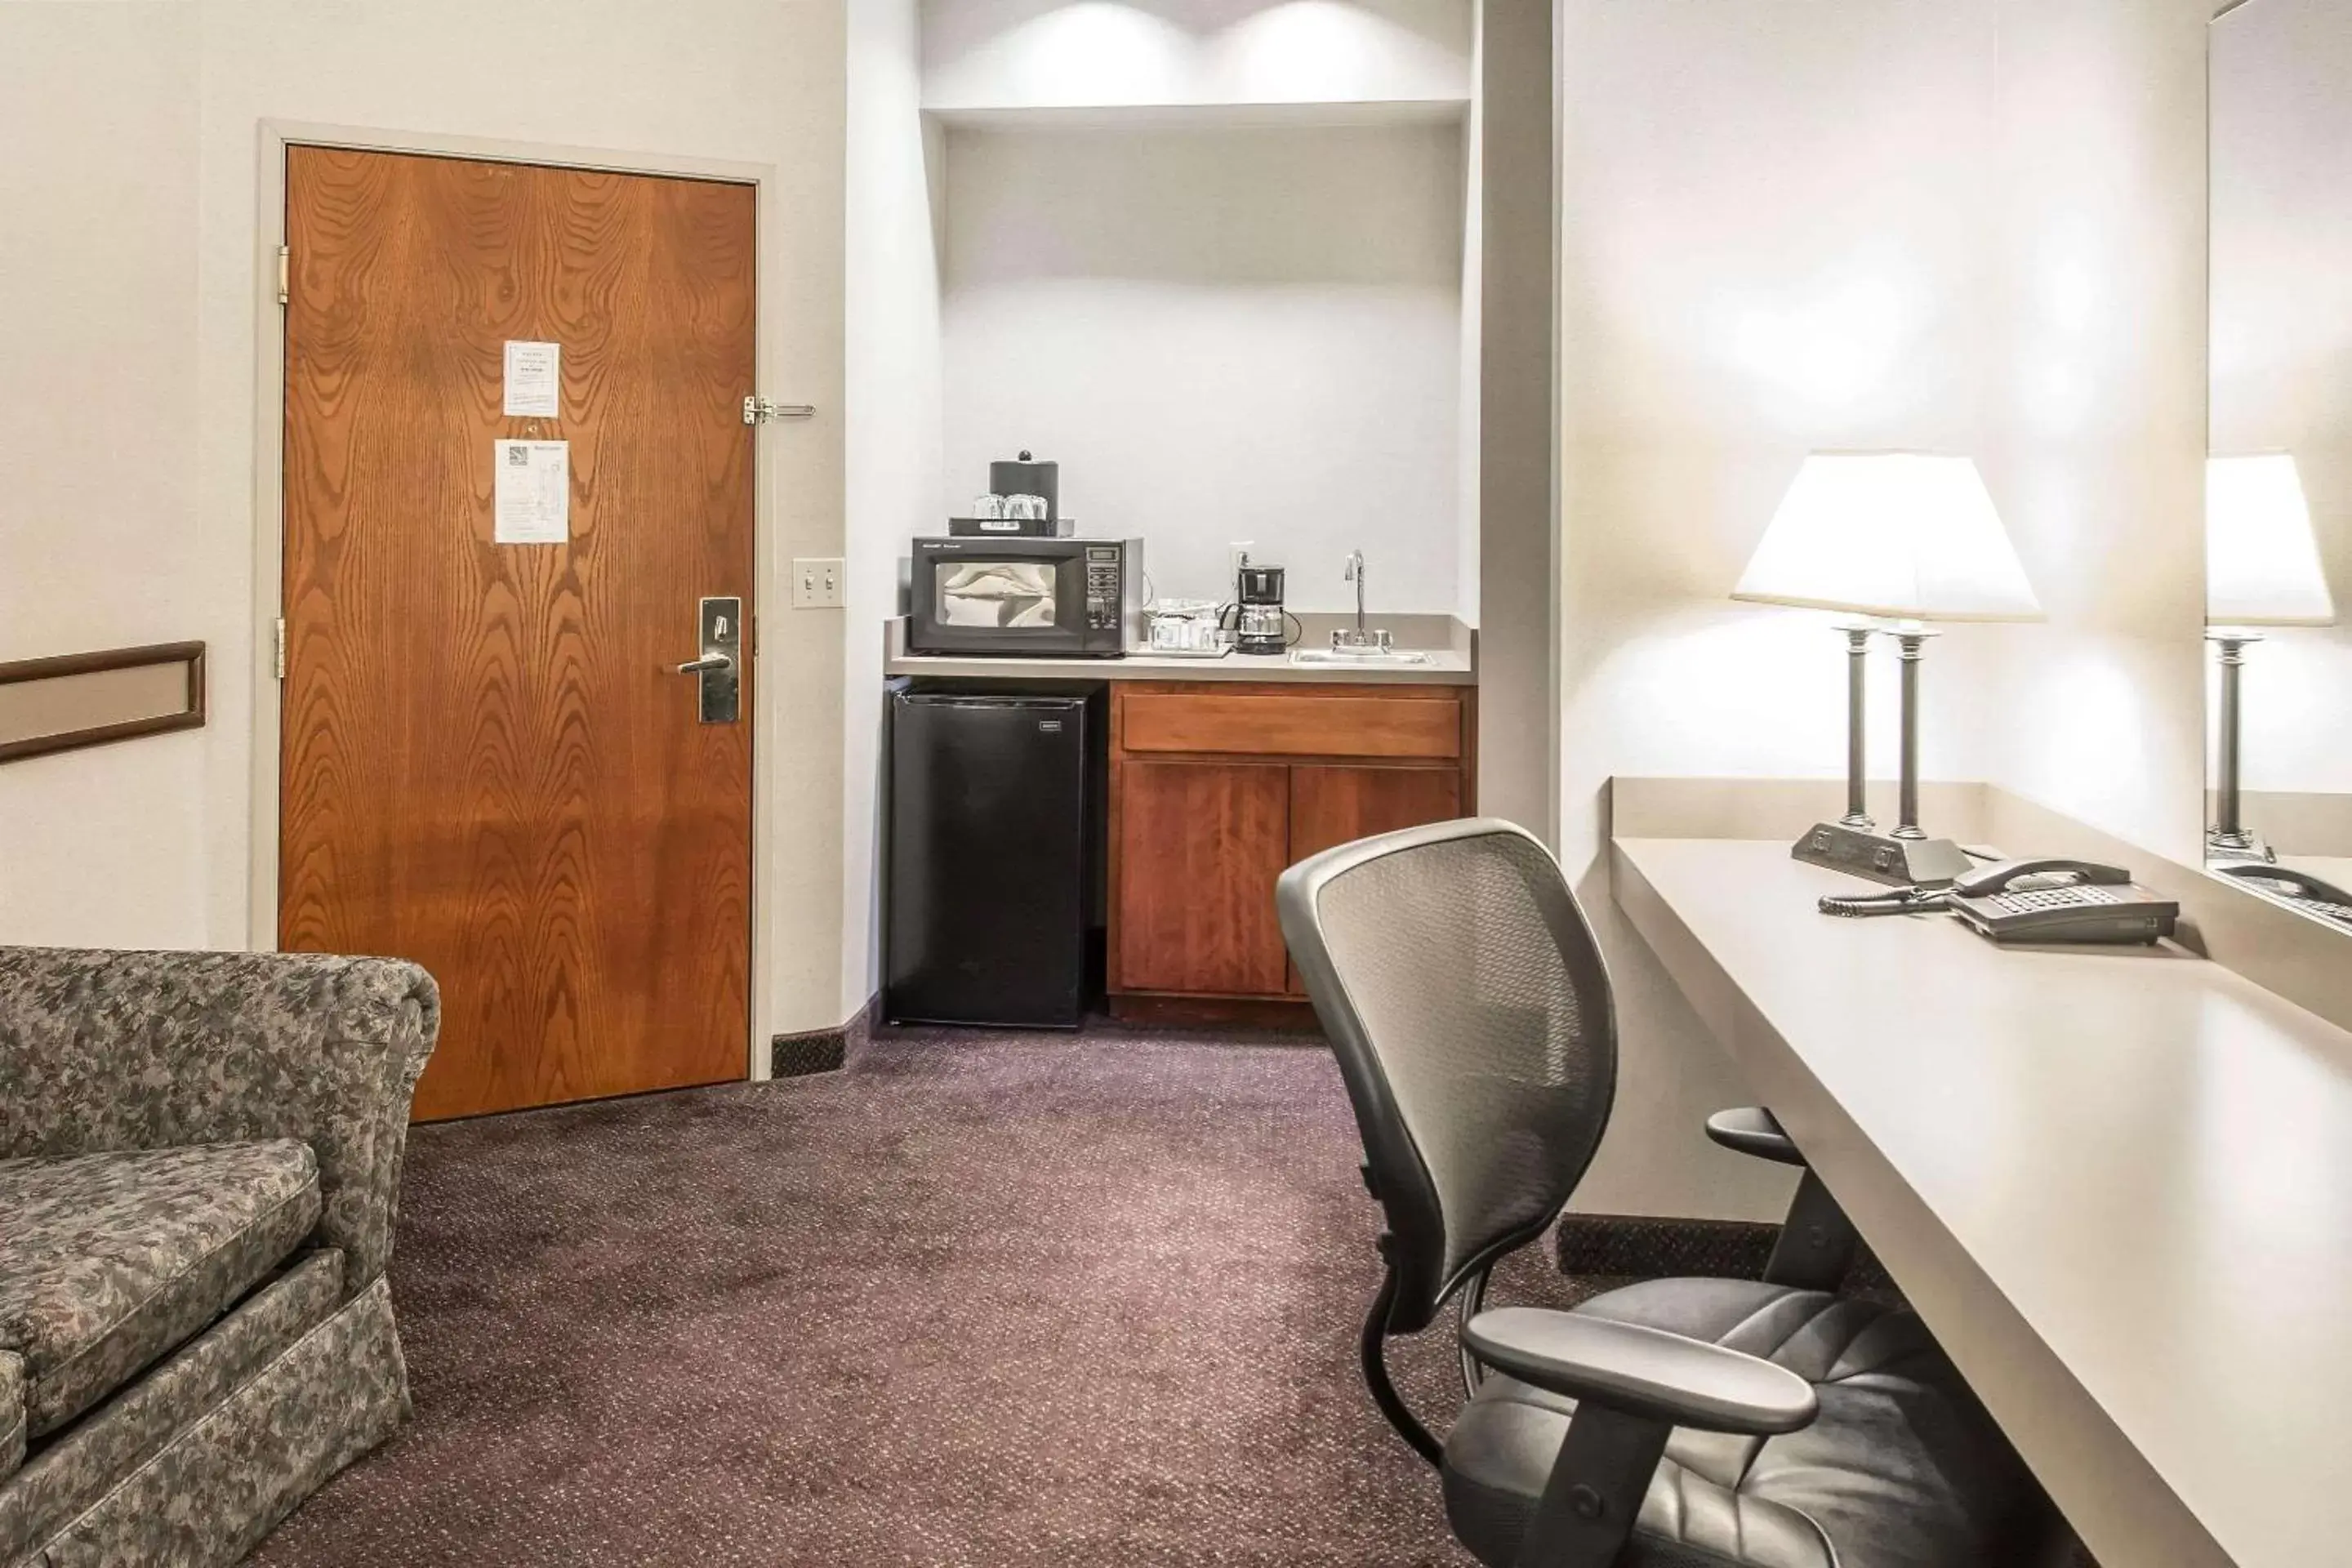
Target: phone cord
[{"x": 1901, "y": 902}]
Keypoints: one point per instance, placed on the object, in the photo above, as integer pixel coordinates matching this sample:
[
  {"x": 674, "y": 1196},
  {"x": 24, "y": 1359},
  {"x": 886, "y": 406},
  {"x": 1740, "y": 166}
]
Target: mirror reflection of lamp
[
  {"x": 2261, "y": 569},
  {"x": 1908, "y": 537}
]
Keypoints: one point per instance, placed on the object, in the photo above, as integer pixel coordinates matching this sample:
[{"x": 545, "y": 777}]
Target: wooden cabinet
[
  {"x": 1332, "y": 804},
  {"x": 1216, "y": 788},
  {"x": 1199, "y": 846}
]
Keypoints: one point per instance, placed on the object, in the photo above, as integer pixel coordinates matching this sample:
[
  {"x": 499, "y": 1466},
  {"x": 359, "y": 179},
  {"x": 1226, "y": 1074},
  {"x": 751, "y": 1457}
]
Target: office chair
[{"x": 1672, "y": 1423}]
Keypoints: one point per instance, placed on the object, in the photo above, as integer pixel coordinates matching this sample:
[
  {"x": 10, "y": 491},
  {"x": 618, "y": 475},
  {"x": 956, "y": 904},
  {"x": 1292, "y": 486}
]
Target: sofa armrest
[{"x": 147, "y": 1050}]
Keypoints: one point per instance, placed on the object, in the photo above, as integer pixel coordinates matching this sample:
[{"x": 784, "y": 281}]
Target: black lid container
[{"x": 1026, "y": 476}]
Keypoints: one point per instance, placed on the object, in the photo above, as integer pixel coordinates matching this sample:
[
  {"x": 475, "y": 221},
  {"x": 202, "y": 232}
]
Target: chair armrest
[
  {"x": 1752, "y": 1129},
  {"x": 150, "y": 1050},
  {"x": 1642, "y": 1372}
]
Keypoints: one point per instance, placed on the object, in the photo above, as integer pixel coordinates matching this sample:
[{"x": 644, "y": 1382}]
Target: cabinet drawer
[{"x": 1325, "y": 723}]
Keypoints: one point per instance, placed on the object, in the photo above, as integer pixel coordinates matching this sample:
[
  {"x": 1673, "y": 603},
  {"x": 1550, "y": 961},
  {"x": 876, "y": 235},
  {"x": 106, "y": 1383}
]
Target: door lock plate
[{"x": 719, "y": 670}]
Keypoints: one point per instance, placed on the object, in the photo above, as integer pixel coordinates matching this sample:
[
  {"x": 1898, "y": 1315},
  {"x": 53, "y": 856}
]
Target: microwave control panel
[{"x": 1103, "y": 587}]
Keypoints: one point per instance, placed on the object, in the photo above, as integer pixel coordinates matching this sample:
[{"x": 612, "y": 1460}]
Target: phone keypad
[{"x": 2034, "y": 899}]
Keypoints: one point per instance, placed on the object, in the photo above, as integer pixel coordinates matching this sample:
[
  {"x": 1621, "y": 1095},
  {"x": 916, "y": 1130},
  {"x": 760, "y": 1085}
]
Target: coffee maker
[{"x": 1255, "y": 616}]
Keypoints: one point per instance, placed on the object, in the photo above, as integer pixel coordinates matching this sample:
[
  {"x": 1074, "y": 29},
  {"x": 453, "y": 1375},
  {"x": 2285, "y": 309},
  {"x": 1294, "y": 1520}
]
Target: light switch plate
[{"x": 816, "y": 583}]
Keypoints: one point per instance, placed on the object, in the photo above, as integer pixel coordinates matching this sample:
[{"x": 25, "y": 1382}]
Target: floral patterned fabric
[
  {"x": 104, "y": 1052},
  {"x": 87, "y": 1460},
  {"x": 11, "y": 1417},
  {"x": 204, "y": 1498},
  {"x": 108, "y": 1260},
  {"x": 148, "y": 1050}
]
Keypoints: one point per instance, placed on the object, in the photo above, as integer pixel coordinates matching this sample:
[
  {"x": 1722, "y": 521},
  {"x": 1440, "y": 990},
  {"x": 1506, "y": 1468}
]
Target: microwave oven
[{"x": 1056, "y": 598}]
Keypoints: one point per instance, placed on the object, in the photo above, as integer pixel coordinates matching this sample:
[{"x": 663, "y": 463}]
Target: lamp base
[
  {"x": 2238, "y": 844},
  {"x": 1883, "y": 858}
]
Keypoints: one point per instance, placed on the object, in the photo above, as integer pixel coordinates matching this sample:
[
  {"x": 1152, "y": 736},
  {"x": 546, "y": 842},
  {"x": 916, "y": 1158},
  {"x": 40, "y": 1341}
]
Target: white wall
[
  {"x": 1510, "y": 576},
  {"x": 172, "y": 98},
  {"x": 1468, "y": 439},
  {"x": 1969, "y": 227},
  {"x": 2097, "y": 402},
  {"x": 1221, "y": 334},
  {"x": 2283, "y": 349},
  {"x": 1744, "y": 277},
  {"x": 1009, "y": 54},
  {"x": 98, "y": 518},
  {"x": 893, "y": 406}
]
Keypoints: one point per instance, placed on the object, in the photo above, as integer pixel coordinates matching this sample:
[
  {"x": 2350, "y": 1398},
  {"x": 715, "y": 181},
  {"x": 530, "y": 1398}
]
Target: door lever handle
[{"x": 707, "y": 661}]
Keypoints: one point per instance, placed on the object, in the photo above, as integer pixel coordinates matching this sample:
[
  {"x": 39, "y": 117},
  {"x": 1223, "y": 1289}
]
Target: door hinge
[
  {"x": 282, "y": 649},
  {"x": 285, "y": 274},
  {"x": 756, "y": 409}
]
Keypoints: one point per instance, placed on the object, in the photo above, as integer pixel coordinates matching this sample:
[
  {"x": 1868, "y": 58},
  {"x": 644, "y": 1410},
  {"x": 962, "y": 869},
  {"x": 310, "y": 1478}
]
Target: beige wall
[
  {"x": 1513, "y": 594},
  {"x": 2283, "y": 367},
  {"x": 992, "y": 54},
  {"x": 1974, "y": 227},
  {"x": 2096, "y": 410},
  {"x": 1222, "y": 333},
  {"x": 98, "y": 541},
  {"x": 176, "y": 97},
  {"x": 894, "y": 403}
]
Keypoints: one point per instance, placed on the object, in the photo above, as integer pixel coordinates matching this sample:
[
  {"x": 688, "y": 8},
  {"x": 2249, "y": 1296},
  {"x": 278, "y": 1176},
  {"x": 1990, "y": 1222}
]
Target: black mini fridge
[{"x": 994, "y": 903}]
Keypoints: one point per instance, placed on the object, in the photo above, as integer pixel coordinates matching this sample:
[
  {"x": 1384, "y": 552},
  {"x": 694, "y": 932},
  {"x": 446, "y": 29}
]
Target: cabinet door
[
  {"x": 1199, "y": 845},
  {"x": 1334, "y": 805}
]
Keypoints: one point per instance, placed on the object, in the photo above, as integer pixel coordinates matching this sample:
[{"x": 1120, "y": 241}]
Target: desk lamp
[
  {"x": 2261, "y": 569},
  {"x": 1905, "y": 537}
]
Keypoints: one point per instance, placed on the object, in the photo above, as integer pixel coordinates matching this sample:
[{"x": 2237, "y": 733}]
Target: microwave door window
[{"x": 1003, "y": 594}]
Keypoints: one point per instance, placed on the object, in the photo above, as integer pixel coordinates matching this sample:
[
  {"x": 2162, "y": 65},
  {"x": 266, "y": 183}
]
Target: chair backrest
[{"x": 1470, "y": 1010}]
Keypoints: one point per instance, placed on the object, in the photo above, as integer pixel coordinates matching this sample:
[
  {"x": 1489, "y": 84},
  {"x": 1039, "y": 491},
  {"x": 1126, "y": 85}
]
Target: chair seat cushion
[
  {"x": 1901, "y": 1469},
  {"x": 108, "y": 1261}
]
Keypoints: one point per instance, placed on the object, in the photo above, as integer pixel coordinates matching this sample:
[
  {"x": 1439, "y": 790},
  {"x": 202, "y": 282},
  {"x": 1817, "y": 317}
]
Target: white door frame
[{"x": 768, "y": 572}]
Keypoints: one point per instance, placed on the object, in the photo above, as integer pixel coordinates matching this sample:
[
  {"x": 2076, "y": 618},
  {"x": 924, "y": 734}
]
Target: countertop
[
  {"x": 1450, "y": 666},
  {"x": 2117, "y": 1184}
]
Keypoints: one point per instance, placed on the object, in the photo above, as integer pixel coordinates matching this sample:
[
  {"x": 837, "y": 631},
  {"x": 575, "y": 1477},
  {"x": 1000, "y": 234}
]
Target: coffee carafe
[{"x": 1255, "y": 616}]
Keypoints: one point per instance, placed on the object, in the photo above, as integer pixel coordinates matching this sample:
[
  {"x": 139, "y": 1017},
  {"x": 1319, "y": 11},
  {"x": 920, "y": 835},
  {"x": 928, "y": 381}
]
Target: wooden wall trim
[{"x": 76, "y": 666}]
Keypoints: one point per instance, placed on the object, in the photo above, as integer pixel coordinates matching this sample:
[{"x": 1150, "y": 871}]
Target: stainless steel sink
[{"x": 1360, "y": 656}]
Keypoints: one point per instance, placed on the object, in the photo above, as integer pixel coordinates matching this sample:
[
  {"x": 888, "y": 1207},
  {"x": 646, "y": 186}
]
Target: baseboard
[
  {"x": 822, "y": 1051},
  {"x": 1158, "y": 1010}
]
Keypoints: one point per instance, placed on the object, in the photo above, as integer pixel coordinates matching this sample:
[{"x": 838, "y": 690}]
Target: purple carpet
[{"x": 980, "y": 1299}]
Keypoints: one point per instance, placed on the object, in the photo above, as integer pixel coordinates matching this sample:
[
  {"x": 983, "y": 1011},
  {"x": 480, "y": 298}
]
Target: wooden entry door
[{"x": 489, "y": 762}]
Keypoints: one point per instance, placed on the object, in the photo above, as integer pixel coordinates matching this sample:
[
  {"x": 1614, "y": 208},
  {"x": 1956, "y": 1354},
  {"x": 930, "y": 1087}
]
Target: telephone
[
  {"x": 2057, "y": 900},
  {"x": 2311, "y": 894}
]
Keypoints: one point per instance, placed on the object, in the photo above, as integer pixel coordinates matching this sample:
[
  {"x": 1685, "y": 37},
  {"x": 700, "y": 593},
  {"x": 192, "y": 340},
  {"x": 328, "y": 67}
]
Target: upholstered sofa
[{"x": 199, "y": 1164}]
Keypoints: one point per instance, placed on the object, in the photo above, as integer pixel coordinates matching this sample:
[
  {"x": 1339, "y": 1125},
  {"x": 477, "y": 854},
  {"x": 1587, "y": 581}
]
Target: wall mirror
[{"x": 2278, "y": 546}]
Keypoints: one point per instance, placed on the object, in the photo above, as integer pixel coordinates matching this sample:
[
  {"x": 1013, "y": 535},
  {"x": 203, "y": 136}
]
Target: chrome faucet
[{"x": 1363, "y": 637}]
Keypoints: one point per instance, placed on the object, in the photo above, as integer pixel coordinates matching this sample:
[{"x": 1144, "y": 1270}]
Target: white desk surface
[{"x": 2116, "y": 1182}]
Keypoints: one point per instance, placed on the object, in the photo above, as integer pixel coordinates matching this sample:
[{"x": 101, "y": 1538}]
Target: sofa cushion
[
  {"x": 88, "y": 1460},
  {"x": 108, "y": 1260}
]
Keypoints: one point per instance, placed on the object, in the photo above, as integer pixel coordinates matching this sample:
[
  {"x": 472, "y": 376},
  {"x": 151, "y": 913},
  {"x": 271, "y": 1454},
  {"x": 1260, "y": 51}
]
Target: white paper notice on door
[
  {"x": 534, "y": 372},
  {"x": 534, "y": 492}
]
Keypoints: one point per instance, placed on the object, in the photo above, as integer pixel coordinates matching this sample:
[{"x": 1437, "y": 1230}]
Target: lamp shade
[
  {"x": 1903, "y": 534},
  {"x": 2261, "y": 564}
]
